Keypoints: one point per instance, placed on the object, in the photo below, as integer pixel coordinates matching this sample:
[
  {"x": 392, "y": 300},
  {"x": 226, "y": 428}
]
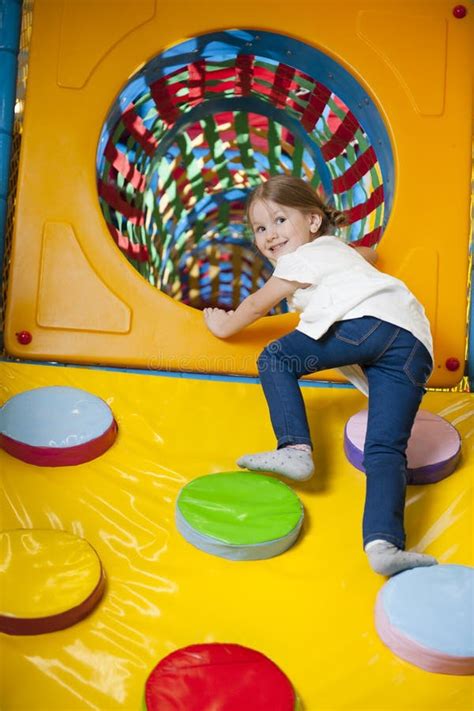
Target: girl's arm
[{"x": 224, "y": 324}]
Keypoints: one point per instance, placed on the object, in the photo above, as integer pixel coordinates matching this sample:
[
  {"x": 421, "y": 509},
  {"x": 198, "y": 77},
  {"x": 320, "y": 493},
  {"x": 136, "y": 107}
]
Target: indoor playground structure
[{"x": 138, "y": 569}]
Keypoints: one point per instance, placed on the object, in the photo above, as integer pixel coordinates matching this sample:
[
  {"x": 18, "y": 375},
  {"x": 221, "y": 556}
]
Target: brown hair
[{"x": 289, "y": 191}]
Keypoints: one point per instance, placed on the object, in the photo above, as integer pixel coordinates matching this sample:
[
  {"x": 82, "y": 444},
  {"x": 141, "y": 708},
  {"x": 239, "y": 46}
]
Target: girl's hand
[
  {"x": 224, "y": 324},
  {"x": 217, "y": 321}
]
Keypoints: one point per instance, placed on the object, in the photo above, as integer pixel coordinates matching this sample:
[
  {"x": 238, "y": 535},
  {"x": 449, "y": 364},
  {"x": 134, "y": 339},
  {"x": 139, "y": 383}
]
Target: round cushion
[
  {"x": 49, "y": 580},
  {"x": 433, "y": 449},
  {"x": 425, "y": 616},
  {"x": 218, "y": 677},
  {"x": 239, "y": 515},
  {"x": 56, "y": 426}
]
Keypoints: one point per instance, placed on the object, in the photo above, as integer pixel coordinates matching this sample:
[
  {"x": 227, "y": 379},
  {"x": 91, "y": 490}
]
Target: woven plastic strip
[{"x": 175, "y": 167}]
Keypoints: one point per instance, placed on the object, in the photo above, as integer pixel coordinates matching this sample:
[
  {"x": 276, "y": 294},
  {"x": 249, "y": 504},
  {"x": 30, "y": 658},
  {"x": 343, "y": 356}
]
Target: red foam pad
[{"x": 218, "y": 677}]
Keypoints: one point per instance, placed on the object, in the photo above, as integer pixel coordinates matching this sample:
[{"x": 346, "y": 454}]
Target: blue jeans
[{"x": 397, "y": 366}]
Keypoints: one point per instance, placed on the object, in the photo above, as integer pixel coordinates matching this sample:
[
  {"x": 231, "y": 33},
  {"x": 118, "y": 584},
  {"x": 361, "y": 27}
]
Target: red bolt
[
  {"x": 459, "y": 11},
  {"x": 24, "y": 337},
  {"x": 452, "y": 364}
]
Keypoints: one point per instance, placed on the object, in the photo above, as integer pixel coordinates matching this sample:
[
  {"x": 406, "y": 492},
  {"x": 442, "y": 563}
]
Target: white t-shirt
[{"x": 345, "y": 286}]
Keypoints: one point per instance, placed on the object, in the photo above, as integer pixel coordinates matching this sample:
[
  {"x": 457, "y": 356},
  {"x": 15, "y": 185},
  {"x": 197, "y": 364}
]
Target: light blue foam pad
[
  {"x": 434, "y": 606},
  {"x": 55, "y": 416}
]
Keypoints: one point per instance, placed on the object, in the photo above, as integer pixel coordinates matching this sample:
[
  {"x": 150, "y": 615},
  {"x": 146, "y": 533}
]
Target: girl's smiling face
[{"x": 279, "y": 229}]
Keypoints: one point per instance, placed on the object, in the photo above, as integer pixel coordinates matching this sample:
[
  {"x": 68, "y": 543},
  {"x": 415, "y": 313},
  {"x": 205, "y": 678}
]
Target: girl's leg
[
  {"x": 283, "y": 362},
  {"x": 396, "y": 387},
  {"x": 280, "y": 366}
]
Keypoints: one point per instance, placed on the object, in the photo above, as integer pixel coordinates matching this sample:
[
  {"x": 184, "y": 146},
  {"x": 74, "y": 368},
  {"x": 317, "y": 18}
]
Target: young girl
[{"x": 353, "y": 317}]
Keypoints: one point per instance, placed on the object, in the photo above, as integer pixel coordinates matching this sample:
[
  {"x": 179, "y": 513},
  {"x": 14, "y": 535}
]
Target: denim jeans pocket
[
  {"x": 419, "y": 365},
  {"x": 356, "y": 330}
]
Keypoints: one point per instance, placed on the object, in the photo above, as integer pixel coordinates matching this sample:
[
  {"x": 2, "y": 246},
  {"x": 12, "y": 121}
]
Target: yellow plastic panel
[
  {"x": 311, "y": 610},
  {"x": 108, "y": 22},
  {"x": 64, "y": 268},
  {"x": 423, "y": 281},
  {"x": 62, "y": 128},
  {"x": 402, "y": 51}
]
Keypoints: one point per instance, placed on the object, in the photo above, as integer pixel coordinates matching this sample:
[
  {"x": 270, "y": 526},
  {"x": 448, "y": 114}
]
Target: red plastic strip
[
  {"x": 369, "y": 239},
  {"x": 219, "y": 88},
  {"x": 264, "y": 74},
  {"x": 197, "y": 80},
  {"x": 138, "y": 252},
  {"x": 316, "y": 104},
  {"x": 244, "y": 67},
  {"x": 220, "y": 74},
  {"x": 361, "y": 166},
  {"x": 282, "y": 82},
  {"x": 60, "y": 456},
  {"x": 341, "y": 138},
  {"x": 193, "y": 131},
  {"x": 120, "y": 161},
  {"x": 163, "y": 96},
  {"x": 359, "y": 211},
  {"x": 135, "y": 126},
  {"x": 113, "y": 198}
]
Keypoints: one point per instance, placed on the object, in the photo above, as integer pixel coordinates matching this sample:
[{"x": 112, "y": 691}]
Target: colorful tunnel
[{"x": 196, "y": 129}]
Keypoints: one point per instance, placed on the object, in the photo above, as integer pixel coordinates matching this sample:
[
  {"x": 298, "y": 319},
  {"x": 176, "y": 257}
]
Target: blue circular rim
[{"x": 227, "y": 44}]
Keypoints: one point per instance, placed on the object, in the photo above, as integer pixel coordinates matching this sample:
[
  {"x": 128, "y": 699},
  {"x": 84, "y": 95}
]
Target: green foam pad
[{"x": 240, "y": 508}]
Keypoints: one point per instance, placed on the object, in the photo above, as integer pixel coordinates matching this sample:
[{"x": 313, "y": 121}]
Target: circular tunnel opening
[{"x": 200, "y": 125}]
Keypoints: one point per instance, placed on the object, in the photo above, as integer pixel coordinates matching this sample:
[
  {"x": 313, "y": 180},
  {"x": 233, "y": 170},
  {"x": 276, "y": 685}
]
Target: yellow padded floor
[{"x": 310, "y": 610}]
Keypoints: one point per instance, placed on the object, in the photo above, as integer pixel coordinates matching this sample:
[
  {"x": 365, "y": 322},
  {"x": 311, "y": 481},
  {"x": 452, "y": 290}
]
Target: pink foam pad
[
  {"x": 433, "y": 449},
  {"x": 218, "y": 677}
]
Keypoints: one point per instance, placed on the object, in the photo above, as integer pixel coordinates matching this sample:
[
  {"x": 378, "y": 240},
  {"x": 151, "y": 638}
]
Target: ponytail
[{"x": 332, "y": 218}]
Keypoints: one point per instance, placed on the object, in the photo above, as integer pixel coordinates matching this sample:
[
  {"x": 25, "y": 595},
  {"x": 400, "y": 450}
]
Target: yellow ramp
[{"x": 311, "y": 609}]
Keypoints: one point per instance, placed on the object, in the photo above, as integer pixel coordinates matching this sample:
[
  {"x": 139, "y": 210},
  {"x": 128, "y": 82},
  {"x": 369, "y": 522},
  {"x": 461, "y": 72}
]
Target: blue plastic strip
[{"x": 10, "y": 25}]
